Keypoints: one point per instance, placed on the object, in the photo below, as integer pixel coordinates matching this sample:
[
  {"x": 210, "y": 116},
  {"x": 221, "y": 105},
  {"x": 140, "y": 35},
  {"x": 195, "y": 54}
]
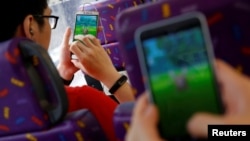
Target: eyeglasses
[{"x": 52, "y": 20}]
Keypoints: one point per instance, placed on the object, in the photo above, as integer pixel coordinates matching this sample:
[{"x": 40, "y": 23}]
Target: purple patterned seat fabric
[
  {"x": 78, "y": 126},
  {"x": 122, "y": 116},
  {"x": 114, "y": 53},
  {"x": 18, "y": 102},
  {"x": 33, "y": 101}
]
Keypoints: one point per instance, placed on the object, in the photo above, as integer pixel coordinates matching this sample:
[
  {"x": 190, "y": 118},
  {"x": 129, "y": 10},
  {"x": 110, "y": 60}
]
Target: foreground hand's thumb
[{"x": 198, "y": 124}]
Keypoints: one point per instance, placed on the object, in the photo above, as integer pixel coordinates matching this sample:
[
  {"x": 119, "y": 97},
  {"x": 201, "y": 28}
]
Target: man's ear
[{"x": 28, "y": 26}]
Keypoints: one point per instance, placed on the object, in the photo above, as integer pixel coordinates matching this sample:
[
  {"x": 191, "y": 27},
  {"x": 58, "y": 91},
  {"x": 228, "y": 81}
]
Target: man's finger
[{"x": 66, "y": 36}]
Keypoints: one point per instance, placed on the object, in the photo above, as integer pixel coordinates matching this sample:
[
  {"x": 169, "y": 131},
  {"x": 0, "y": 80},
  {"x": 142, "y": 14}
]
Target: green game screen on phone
[
  {"x": 180, "y": 77},
  {"x": 86, "y": 24}
]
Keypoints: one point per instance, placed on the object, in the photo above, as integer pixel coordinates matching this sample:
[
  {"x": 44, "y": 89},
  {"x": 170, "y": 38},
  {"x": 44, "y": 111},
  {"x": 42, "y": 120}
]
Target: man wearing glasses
[
  {"x": 32, "y": 19},
  {"x": 52, "y": 19}
]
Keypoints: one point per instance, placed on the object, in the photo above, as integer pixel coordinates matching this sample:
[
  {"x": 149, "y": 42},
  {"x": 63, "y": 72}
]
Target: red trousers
[{"x": 100, "y": 105}]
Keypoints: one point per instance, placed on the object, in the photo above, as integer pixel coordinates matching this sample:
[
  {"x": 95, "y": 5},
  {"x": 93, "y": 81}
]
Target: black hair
[{"x": 13, "y": 13}]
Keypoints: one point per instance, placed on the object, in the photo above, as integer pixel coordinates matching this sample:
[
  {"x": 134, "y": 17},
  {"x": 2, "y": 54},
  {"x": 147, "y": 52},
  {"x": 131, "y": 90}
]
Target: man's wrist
[
  {"x": 118, "y": 83},
  {"x": 67, "y": 81},
  {"x": 66, "y": 75}
]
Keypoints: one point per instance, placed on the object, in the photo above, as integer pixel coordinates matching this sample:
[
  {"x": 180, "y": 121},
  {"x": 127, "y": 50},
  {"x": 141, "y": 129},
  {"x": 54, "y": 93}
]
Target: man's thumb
[{"x": 198, "y": 124}]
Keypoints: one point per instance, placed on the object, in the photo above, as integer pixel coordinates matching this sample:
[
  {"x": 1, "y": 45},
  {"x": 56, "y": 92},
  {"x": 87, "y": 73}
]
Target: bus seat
[
  {"x": 108, "y": 9},
  {"x": 33, "y": 101},
  {"x": 114, "y": 53},
  {"x": 122, "y": 118},
  {"x": 76, "y": 126}
]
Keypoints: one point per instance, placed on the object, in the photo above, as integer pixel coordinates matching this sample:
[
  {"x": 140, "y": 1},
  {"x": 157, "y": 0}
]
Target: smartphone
[
  {"x": 177, "y": 63},
  {"x": 86, "y": 22}
]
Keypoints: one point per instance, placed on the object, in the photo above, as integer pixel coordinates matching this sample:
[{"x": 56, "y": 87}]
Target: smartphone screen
[
  {"x": 86, "y": 23},
  {"x": 176, "y": 60}
]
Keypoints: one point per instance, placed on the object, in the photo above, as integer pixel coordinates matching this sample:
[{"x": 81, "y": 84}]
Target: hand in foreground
[
  {"x": 235, "y": 93},
  {"x": 143, "y": 126}
]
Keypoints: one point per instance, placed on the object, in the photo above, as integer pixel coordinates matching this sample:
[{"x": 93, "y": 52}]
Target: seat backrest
[
  {"x": 228, "y": 22},
  {"x": 122, "y": 119},
  {"x": 108, "y": 10},
  {"x": 77, "y": 126},
  {"x": 32, "y": 94}
]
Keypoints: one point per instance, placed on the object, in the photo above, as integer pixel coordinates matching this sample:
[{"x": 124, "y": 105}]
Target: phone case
[{"x": 172, "y": 74}]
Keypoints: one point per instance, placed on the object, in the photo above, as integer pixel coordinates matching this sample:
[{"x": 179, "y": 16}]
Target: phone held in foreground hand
[{"x": 176, "y": 60}]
